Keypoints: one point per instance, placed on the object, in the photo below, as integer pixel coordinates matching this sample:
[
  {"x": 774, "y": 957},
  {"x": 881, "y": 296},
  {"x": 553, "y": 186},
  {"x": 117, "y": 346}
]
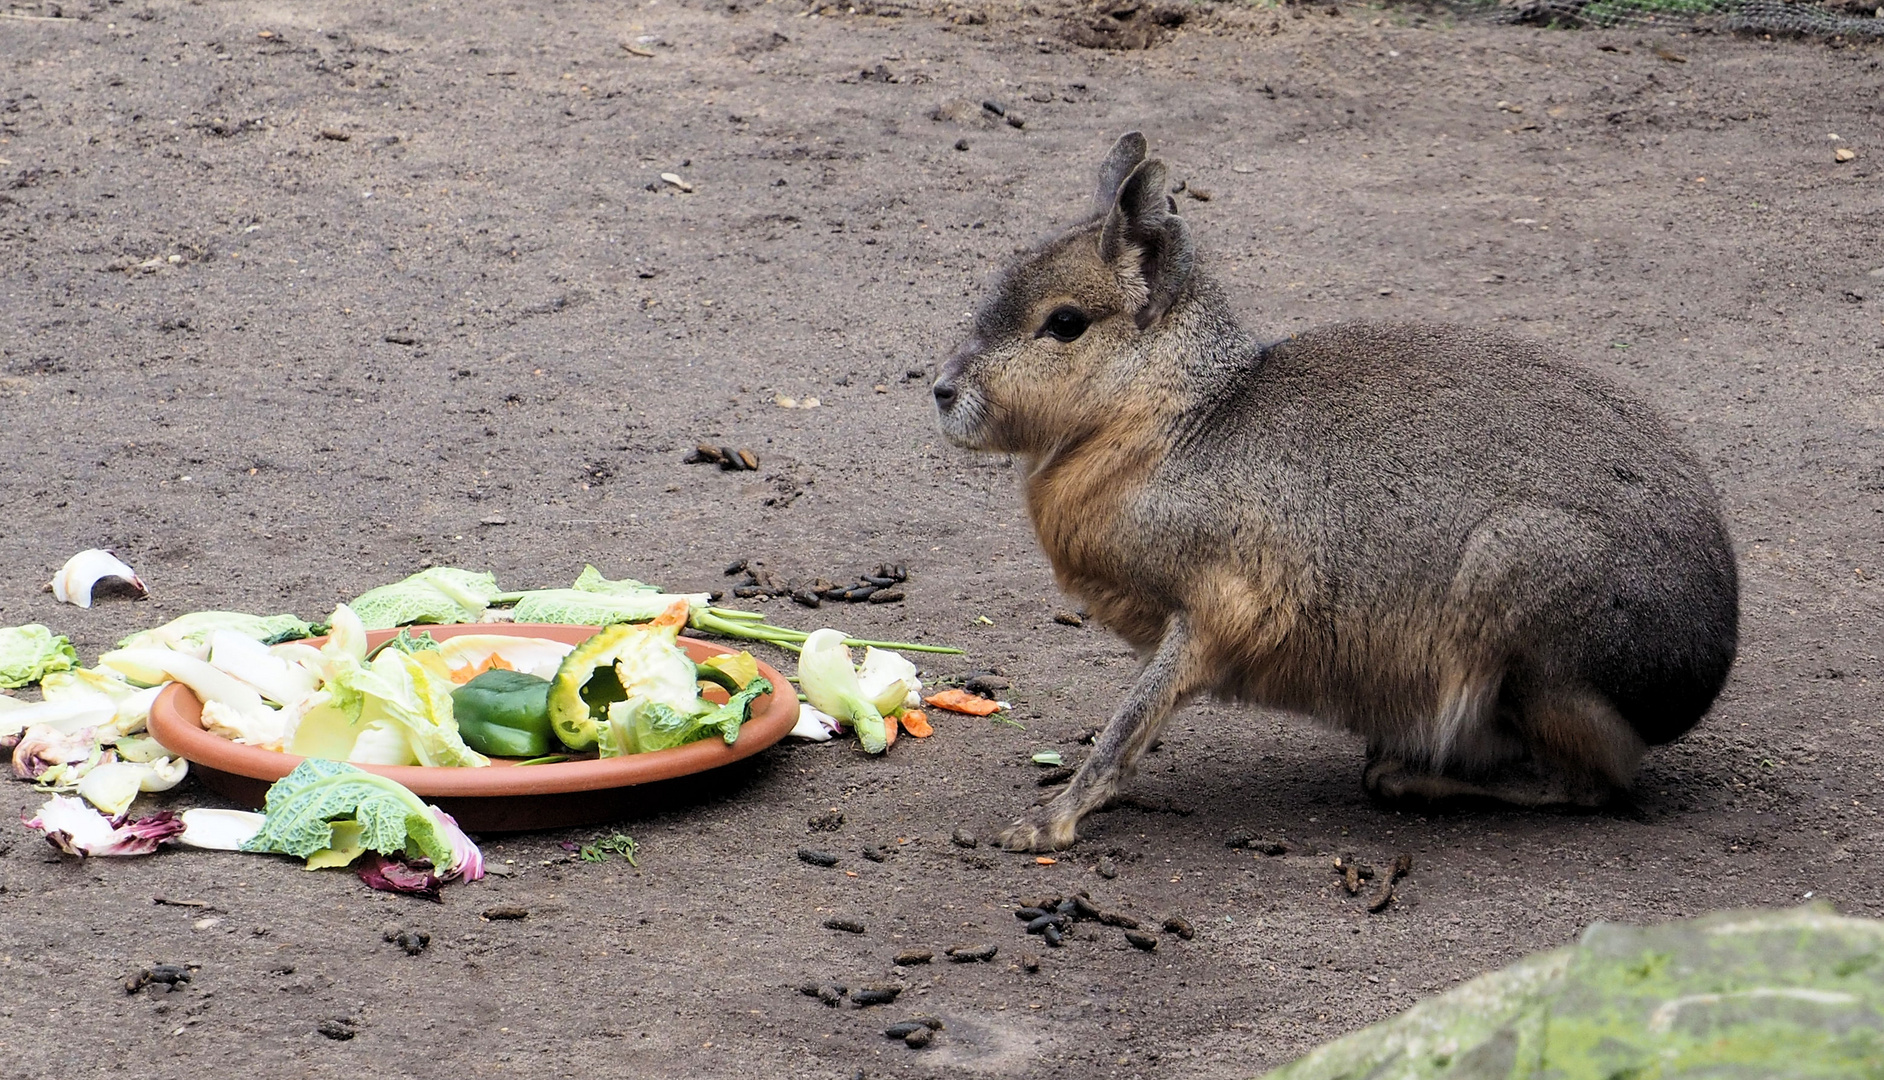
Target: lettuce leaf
[
  {"x": 640, "y": 725},
  {"x": 29, "y": 653},
  {"x": 303, "y": 806},
  {"x": 394, "y": 711},
  {"x": 585, "y": 608},
  {"x": 592, "y": 581},
  {"x": 190, "y": 633},
  {"x": 442, "y": 594}
]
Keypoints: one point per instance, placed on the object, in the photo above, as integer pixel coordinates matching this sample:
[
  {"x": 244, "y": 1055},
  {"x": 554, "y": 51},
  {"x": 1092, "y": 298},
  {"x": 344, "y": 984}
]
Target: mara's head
[{"x": 1061, "y": 335}]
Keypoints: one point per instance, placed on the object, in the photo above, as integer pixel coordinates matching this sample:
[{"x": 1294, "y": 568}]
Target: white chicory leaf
[
  {"x": 394, "y": 711},
  {"x": 813, "y": 725},
  {"x": 42, "y": 747},
  {"x": 887, "y": 679},
  {"x": 249, "y": 660},
  {"x": 112, "y": 786},
  {"x": 31, "y": 652},
  {"x": 532, "y": 656},
  {"x": 219, "y": 830},
  {"x": 81, "y": 573},
  {"x": 830, "y": 683},
  {"x": 77, "y": 829}
]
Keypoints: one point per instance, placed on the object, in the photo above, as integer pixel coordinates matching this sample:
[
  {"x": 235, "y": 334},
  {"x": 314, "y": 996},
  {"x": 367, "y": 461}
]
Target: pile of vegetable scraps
[{"x": 455, "y": 702}]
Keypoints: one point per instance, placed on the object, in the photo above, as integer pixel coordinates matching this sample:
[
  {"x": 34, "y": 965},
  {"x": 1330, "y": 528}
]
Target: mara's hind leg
[{"x": 1569, "y": 749}]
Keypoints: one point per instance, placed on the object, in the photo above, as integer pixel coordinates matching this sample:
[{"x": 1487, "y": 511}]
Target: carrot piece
[
  {"x": 468, "y": 672},
  {"x": 889, "y": 730},
  {"x": 962, "y": 701},
  {"x": 1044, "y": 861},
  {"x": 675, "y": 615},
  {"x": 916, "y": 722}
]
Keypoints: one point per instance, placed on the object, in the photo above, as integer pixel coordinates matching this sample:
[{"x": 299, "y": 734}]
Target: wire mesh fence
[{"x": 1839, "y": 18}]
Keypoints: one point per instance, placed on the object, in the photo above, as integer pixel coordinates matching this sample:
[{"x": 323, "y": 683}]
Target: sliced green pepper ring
[{"x": 722, "y": 679}]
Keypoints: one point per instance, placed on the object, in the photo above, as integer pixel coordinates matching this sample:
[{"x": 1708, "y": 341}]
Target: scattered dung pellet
[
  {"x": 897, "y": 1031},
  {"x": 337, "y": 1030},
  {"x": 1067, "y": 618},
  {"x": 874, "y": 995},
  {"x": 1106, "y": 868},
  {"x": 994, "y": 107},
  {"x": 809, "y": 988},
  {"x": 886, "y": 596},
  {"x": 987, "y": 686},
  {"x": 1044, "y": 903},
  {"x": 1114, "y": 918},
  {"x": 749, "y": 459},
  {"x": 918, "y": 1038},
  {"x": 815, "y": 857},
  {"x": 1014, "y": 121},
  {"x": 832, "y": 995},
  {"x": 805, "y": 598},
  {"x": 168, "y": 976},
  {"x": 729, "y": 460},
  {"x": 737, "y": 566},
  {"x": 969, "y": 954},
  {"x": 413, "y": 942},
  {"x": 1067, "y": 908},
  {"x": 1142, "y": 940},
  {"x": 1084, "y": 908},
  {"x": 963, "y": 838},
  {"x": 1179, "y": 925},
  {"x": 875, "y": 852},
  {"x": 1045, "y": 922},
  {"x": 828, "y": 821},
  {"x": 506, "y": 913},
  {"x": 1052, "y": 936},
  {"x": 1029, "y": 914},
  {"x": 707, "y": 455},
  {"x": 747, "y": 592},
  {"x": 859, "y": 593},
  {"x": 879, "y": 580},
  {"x": 1030, "y": 963},
  {"x": 912, "y": 957},
  {"x": 849, "y": 926},
  {"x": 931, "y": 1022},
  {"x": 835, "y": 592},
  {"x": 961, "y": 144}
]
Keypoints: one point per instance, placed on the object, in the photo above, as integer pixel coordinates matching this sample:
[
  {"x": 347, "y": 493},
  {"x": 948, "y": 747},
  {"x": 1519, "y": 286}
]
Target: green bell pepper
[{"x": 505, "y": 714}]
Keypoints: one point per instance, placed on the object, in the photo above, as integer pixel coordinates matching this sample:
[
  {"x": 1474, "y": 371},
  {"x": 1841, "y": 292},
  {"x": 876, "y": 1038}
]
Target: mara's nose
[{"x": 944, "y": 394}]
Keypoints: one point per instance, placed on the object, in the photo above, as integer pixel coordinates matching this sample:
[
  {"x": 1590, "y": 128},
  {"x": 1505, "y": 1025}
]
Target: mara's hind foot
[
  {"x": 1393, "y": 782},
  {"x": 1043, "y": 828}
]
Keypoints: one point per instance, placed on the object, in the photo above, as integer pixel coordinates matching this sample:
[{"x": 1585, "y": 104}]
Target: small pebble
[
  {"x": 337, "y": 1030},
  {"x": 963, "y": 838},
  {"x": 1141, "y": 940},
  {"x": 876, "y": 853},
  {"x": 1067, "y": 618},
  {"x": 865, "y": 996},
  {"x": 849, "y": 926},
  {"x": 816, "y": 858},
  {"x": 910, "y": 957},
  {"x": 506, "y": 912},
  {"x": 968, "y": 954},
  {"x": 1030, "y": 963},
  {"x": 829, "y": 821},
  {"x": 1179, "y": 925},
  {"x": 961, "y": 144},
  {"x": 918, "y": 1038},
  {"x": 1106, "y": 868}
]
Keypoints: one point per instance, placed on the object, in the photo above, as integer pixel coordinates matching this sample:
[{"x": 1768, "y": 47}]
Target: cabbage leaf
[
  {"x": 441, "y": 594},
  {"x": 29, "y": 653}
]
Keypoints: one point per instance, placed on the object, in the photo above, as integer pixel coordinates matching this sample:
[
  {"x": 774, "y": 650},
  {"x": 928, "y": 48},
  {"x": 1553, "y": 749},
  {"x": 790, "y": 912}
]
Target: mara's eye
[{"x": 1066, "y": 323}]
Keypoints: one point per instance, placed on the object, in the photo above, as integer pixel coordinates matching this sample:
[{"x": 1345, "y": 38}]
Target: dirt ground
[{"x": 298, "y": 298}]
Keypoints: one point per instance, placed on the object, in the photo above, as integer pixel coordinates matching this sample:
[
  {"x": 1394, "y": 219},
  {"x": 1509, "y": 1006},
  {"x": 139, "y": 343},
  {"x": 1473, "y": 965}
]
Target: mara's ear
[
  {"x": 1119, "y": 163},
  {"x": 1146, "y": 243}
]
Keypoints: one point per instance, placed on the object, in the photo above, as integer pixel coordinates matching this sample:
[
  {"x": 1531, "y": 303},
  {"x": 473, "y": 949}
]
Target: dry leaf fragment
[
  {"x": 635, "y": 50},
  {"x": 674, "y": 179}
]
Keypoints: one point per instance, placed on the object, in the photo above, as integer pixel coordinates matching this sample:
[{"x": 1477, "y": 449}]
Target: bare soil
[{"x": 300, "y": 297}]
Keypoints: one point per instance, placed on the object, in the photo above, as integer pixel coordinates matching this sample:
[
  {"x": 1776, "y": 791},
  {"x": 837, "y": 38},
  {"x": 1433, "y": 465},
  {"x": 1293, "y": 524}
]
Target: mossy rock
[{"x": 1735, "y": 995}]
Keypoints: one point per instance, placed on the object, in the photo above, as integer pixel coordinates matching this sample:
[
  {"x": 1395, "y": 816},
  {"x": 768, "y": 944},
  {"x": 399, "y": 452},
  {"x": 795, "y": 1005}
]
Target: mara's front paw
[{"x": 1044, "y": 828}]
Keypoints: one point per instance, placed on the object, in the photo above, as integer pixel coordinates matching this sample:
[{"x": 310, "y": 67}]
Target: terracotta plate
[{"x": 501, "y": 797}]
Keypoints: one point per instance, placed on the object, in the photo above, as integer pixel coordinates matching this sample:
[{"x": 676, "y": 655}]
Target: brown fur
[{"x": 1495, "y": 568}]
